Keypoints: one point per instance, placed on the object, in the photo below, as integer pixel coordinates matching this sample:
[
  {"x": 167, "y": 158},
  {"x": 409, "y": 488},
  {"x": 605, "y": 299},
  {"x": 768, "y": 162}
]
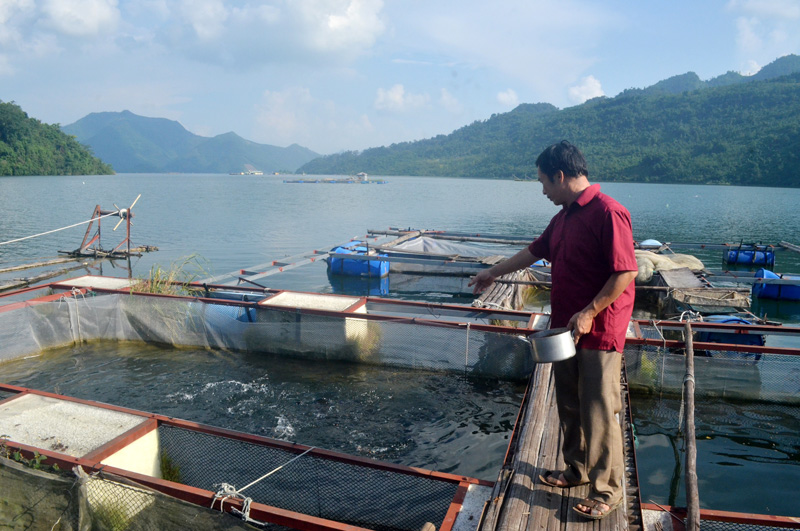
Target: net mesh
[
  {"x": 718, "y": 373},
  {"x": 38, "y": 499},
  {"x": 400, "y": 342},
  {"x": 326, "y": 488}
]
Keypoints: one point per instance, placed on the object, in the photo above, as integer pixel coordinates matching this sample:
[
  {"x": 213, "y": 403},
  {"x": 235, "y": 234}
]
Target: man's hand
[
  {"x": 481, "y": 281},
  {"x": 580, "y": 324}
]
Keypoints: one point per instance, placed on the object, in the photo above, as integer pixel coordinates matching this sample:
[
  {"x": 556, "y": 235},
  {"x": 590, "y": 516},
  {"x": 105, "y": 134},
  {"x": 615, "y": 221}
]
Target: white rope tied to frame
[
  {"x": 56, "y": 230},
  {"x": 227, "y": 490},
  {"x": 64, "y": 298},
  {"x": 466, "y": 350}
]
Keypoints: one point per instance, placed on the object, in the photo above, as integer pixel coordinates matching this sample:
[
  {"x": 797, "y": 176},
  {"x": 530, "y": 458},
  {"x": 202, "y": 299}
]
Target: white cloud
[
  {"x": 398, "y": 100},
  {"x": 450, "y": 102},
  {"x": 81, "y": 18},
  {"x": 10, "y": 8},
  {"x": 12, "y": 14},
  {"x": 257, "y": 32},
  {"x": 766, "y": 29},
  {"x": 294, "y": 116},
  {"x": 751, "y": 67},
  {"x": 207, "y": 17},
  {"x": 508, "y": 98},
  {"x": 520, "y": 40},
  {"x": 588, "y": 88}
]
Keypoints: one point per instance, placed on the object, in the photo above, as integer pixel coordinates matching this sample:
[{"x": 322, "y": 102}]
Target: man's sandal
[
  {"x": 547, "y": 479},
  {"x": 595, "y": 512}
]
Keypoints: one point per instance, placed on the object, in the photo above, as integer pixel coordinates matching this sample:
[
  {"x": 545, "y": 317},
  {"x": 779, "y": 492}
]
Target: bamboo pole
[
  {"x": 546, "y": 284},
  {"x": 790, "y": 246},
  {"x": 23, "y": 282},
  {"x": 692, "y": 495},
  {"x": 55, "y": 261}
]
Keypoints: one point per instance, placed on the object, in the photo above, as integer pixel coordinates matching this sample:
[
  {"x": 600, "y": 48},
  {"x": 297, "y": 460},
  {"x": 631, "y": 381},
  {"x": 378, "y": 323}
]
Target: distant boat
[{"x": 361, "y": 176}]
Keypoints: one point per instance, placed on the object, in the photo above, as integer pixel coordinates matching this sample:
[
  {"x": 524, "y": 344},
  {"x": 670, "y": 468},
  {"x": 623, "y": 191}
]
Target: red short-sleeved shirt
[{"x": 585, "y": 244}]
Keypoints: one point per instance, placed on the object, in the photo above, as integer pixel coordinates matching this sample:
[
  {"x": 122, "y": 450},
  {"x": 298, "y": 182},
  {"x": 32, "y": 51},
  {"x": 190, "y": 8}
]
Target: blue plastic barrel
[
  {"x": 739, "y": 256},
  {"x": 357, "y": 268},
  {"x": 729, "y": 337},
  {"x": 775, "y": 291}
]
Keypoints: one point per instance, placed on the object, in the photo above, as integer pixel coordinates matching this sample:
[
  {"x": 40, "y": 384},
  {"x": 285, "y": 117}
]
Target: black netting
[
  {"x": 311, "y": 485},
  {"x": 714, "y": 525}
]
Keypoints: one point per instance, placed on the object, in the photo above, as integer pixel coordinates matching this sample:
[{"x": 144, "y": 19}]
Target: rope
[
  {"x": 62, "y": 228},
  {"x": 466, "y": 350},
  {"x": 227, "y": 490},
  {"x": 64, "y": 298}
]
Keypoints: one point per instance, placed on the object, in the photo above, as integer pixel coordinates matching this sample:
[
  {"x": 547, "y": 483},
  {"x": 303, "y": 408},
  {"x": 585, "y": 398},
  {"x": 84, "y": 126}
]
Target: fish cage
[
  {"x": 731, "y": 361},
  {"x": 484, "y": 343},
  {"x": 144, "y": 471}
]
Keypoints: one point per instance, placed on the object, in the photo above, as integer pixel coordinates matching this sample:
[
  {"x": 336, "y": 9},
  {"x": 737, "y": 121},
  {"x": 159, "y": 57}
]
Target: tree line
[
  {"x": 30, "y": 147},
  {"x": 743, "y": 134}
]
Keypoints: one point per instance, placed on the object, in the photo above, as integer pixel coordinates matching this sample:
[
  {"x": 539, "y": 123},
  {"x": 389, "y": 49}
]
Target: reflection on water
[
  {"x": 748, "y": 454},
  {"x": 436, "y": 421}
]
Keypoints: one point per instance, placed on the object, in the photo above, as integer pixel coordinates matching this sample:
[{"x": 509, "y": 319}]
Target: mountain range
[
  {"x": 138, "y": 144},
  {"x": 732, "y": 129}
]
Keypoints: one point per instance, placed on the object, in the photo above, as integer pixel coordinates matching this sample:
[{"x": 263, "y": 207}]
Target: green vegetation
[
  {"x": 169, "y": 469},
  {"x": 173, "y": 280},
  {"x": 29, "y": 147},
  {"x": 729, "y": 130}
]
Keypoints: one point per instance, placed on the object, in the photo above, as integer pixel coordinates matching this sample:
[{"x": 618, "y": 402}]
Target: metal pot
[{"x": 552, "y": 345}]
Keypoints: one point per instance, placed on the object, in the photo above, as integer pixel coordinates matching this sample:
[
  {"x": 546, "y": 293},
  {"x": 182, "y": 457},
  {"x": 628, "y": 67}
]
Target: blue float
[
  {"x": 357, "y": 268},
  {"x": 776, "y": 291},
  {"x": 729, "y": 337},
  {"x": 750, "y": 257}
]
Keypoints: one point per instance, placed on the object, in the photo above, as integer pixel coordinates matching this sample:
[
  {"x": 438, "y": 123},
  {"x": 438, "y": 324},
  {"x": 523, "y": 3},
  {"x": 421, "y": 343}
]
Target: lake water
[{"x": 430, "y": 420}]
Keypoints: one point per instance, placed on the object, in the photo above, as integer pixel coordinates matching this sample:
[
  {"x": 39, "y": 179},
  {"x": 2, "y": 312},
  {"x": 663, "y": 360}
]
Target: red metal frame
[
  {"x": 150, "y": 421},
  {"x": 767, "y": 520}
]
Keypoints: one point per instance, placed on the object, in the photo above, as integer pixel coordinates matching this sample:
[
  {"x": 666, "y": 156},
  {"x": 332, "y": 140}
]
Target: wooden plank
[
  {"x": 680, "y": 278},
  {"x": 527, "y": 503},
  {"x": 401, "y": 239}
]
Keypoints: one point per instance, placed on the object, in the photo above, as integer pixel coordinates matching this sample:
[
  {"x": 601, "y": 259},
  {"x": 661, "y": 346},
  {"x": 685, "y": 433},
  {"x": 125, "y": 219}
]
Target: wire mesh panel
[
  {"x": 322, "y": 487},
  {"x": 716, "y": 525},
  {"x": 114, "y": 504},
  {"x": 725, "y": 374}
]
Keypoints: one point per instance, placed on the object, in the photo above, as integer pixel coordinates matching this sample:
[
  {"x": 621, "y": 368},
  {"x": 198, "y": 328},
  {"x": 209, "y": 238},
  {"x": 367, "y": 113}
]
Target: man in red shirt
[{"x": 590, "y": 246}]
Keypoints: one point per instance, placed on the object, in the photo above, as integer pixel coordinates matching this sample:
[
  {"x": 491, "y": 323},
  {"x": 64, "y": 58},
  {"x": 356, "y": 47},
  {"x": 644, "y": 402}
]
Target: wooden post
[{"x": 692, "y": 496}]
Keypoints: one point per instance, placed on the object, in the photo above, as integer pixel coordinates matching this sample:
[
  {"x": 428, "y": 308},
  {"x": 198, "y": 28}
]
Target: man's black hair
[{"x": 562, "y": 156}]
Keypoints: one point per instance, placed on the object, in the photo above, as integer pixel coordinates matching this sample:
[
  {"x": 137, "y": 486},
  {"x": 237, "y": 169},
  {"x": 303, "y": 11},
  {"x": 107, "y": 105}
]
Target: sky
[{"x": 336, "y": 75}]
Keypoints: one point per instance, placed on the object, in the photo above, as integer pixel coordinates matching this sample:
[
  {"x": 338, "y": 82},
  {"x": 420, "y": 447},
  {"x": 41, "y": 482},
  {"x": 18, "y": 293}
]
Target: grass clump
[
  {"x": 173, "y": 280},
  {"x": 169, "y": 469}
]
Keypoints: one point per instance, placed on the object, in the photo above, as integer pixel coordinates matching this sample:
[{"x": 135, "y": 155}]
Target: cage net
[
  {"x": 347, "y": 492},
  {"x": 662, "y": 520},
  {"x": 724, "y": 374},
  {"x": 36, "y": 499},
  {"x": 400, "y": 342}
]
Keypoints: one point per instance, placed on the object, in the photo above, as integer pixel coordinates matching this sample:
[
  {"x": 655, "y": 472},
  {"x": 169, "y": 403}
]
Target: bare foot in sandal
[
  {"x": 557, "y": 479},
  {"x": 595, "y": 510}
]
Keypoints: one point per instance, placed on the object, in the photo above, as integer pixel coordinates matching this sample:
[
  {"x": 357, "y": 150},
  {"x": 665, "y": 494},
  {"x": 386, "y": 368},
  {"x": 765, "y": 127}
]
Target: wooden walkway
[{"x": 521, "y": 502}]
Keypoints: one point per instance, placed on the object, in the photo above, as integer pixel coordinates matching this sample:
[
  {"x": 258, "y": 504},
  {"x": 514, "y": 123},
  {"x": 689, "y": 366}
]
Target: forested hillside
[
  {"x": 726, "y": 131},
  {"x": 29, "y": 147}
]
